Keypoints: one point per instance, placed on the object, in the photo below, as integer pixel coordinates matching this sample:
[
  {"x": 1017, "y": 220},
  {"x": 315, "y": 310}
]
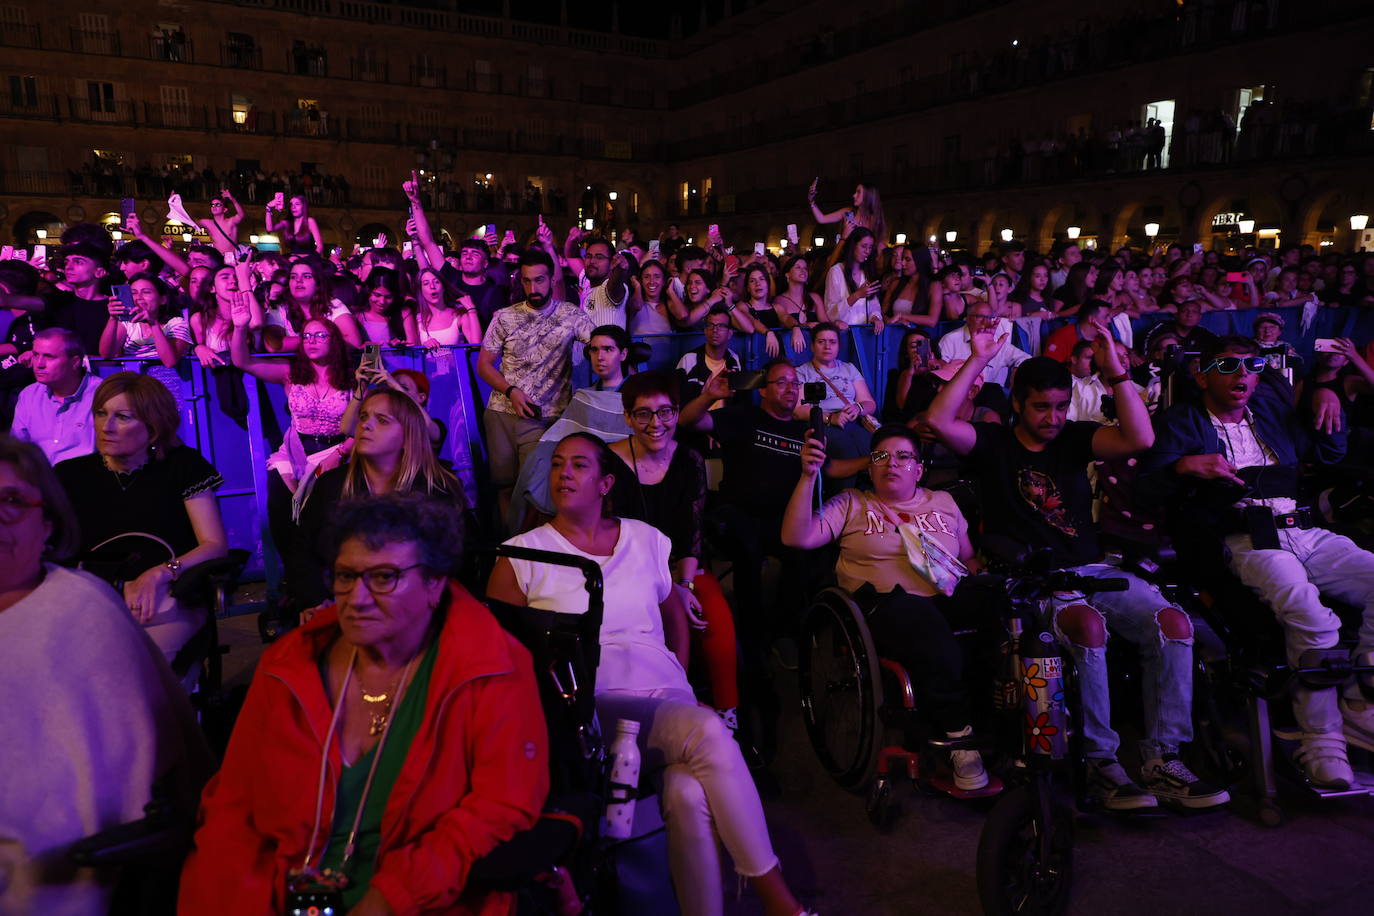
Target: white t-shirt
[
  {"x": 634, "y": 656},
  {"x": 138, "y": 336},
  {"x": 955, "y": 345},
  {"x": 844, "y": 376}
]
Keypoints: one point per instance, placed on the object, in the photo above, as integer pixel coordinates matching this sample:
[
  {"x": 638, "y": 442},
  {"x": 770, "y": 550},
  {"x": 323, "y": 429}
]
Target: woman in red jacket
[{"x": 384, "y": 747}]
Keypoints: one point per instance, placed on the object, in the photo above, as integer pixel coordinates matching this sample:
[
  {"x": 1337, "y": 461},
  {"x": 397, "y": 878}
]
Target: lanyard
[{"x": 371, "y": 773}]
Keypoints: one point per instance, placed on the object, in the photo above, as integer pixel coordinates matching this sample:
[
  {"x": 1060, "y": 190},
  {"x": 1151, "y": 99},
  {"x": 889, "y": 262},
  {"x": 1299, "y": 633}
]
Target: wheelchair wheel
[
  {"x": 1025, "y": 856},
  {"x": 841, "y": 689}
]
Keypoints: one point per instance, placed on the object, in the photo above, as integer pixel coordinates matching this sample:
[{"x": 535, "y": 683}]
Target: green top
[{"x": 408, "y": 716}]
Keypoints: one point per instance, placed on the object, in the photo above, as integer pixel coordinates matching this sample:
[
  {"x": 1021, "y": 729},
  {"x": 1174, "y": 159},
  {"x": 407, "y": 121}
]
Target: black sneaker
[
  {"x": 1174, "y": 784},
  {"x": 1113, "y": 789}
]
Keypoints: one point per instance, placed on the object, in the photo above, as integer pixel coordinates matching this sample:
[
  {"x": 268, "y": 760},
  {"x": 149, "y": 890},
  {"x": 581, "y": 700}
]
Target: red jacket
[{"x": 476, "y": 773}]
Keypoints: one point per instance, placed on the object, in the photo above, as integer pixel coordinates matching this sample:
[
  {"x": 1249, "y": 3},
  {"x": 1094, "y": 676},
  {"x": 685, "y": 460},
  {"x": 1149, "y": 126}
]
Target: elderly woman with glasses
[
  {"x": 903, "y": 550},
  {"x": 384, "y": 746}
]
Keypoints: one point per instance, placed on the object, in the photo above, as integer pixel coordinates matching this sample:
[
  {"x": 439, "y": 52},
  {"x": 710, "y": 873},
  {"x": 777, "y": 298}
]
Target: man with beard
[
  {"x": 1229, "y": 465},
  {"x": 533, "y": 342},
  {"x": 1034, "y": 484},
  {"x": 606, "y": 290}
]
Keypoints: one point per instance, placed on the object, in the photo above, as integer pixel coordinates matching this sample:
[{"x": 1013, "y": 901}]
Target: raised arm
[
  {"x": 1133, "y": 434},
  {"x": 816, "y": 212},
  {"x": 696, "y": 413},
  {"x": 959, "y": 435},
  {"x": 238, "y": 208},
  {"x": 433, "y": 253},
  {"x": 802, "y": 528},
  {"x": 267, "y": 370},
  {"x": 165, "y": 254}
]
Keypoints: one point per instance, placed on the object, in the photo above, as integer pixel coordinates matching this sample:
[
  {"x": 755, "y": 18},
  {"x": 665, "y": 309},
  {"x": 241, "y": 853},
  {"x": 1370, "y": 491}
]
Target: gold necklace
[{"x": 376, "y": 718}]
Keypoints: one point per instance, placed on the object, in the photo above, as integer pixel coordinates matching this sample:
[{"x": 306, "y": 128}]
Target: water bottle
[
  {"x": 1045, "y": 720},
  {"x": 620, "y": 801}
]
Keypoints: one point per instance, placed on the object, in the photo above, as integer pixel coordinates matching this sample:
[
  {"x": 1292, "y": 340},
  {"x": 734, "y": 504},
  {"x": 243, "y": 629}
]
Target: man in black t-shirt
[
  {"x": 1033, "y": 478},
  {"x": 80, "y": 304},
  {"x": 470, "y": 279},
  {"x": 761, "y": 447}
]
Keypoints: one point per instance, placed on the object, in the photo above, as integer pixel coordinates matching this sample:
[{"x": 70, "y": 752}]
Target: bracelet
[
  {"x": 688, "y": 584},
  {"x": 509, "y": 389},
  {"x": 1118, "y": 379}
]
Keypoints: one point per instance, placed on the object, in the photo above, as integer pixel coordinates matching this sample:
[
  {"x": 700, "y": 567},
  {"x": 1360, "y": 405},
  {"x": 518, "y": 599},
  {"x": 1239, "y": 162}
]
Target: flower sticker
[
  {"x": 1032, "y": 682},
  {"x": 1038, "y": 733}
]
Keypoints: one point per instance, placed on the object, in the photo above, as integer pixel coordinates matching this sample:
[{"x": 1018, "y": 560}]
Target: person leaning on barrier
[
  {"x": 911, "y": 610},
  {"x": 93, "y": 716},
  {"x": 393, "y": 740},
  {"x": 1034, "y": 484},
  {"x": 1228, "y": 466}
]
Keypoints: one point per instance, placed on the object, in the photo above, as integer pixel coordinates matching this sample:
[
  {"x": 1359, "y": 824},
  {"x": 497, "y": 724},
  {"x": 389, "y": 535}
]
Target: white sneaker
[
  {"x": 1323, "y": 759},
  {"x": 1358, "y": 722},
  {"x": 969, "y": 774}
]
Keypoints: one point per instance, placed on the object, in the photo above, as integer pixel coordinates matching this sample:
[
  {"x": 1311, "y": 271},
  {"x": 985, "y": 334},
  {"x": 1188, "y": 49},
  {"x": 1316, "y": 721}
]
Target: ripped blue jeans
[{"x": 1167, "y": 663}]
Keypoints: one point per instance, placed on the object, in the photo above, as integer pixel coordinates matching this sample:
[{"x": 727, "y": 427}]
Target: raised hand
[
  {"x": 717, "y": 387},
  {"x": 983, "y": 345},
  {"x": 811, "y": 191}
]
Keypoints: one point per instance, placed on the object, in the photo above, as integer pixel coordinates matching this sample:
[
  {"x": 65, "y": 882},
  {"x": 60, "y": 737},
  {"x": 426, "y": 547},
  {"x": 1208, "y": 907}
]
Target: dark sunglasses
[{"x": 1228, "y": 365}]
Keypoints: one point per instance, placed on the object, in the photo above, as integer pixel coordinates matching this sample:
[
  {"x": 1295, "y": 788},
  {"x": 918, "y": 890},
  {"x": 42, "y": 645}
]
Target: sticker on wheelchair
[{"x": 1050, "y": 666}]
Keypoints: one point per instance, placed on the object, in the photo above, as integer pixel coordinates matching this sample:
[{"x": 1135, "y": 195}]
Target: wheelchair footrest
[{"x": 944, "y": 782}]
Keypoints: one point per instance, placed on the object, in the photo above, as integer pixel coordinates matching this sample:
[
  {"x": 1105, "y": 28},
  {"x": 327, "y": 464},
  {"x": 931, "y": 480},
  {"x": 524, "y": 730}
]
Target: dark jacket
[{"x": 1207, "y": 505}]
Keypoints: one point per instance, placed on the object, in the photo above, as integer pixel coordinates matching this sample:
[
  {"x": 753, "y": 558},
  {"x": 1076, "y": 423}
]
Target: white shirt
[
  {"x": 634, "y": 656},
  {"x": 955, "y": 345},
  {"x": 61, "y": 428},
  {"x": 837, "y": 304},
  {"x": 1244, "y": 449},
  {"x": 602, "y": 308}
]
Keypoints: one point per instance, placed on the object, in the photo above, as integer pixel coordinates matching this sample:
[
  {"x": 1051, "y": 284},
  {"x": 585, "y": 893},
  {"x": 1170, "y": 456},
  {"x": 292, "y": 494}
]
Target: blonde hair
[{"x": 418, "y": 466}]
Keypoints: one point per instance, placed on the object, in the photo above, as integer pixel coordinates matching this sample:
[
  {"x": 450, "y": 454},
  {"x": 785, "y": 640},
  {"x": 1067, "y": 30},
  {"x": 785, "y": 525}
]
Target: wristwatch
[
  {"x": 688, "y": 584},
  {"x": 175, "y": 566}
]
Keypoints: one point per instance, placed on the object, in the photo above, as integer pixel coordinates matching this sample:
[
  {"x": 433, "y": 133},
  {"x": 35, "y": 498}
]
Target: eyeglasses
[
  {"x": 380, "y": 580},
  {"x": 12, "y": 505},
  {"x": 717, "y": 325},
  {"x": 643, "y": 415},
  {"x": 784, "y": 384},
  {"x": 315, "y": 335},
  {"x": 897, "y": 459},
  {"x": 1227, "y": 365}
]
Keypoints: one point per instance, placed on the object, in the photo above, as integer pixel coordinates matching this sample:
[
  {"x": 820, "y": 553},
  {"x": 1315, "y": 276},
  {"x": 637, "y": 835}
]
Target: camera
[{"x": 813, "y": 392}]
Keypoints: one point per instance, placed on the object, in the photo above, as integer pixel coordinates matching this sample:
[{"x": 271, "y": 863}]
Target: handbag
[
  {"x": 869, "y": 422},
  {"x": 932, "y": 562}
]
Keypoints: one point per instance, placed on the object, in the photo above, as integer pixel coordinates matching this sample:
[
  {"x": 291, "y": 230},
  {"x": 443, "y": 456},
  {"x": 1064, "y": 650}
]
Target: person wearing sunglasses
[
  {"x": 1228, "y": 468},
  {"x": 910, "y": 609},
  {"x": 401, "y": 728}
]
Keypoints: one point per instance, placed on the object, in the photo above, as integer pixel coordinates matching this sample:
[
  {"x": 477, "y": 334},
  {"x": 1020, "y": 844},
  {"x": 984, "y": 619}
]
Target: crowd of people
[{"x": 397, "y": 697}]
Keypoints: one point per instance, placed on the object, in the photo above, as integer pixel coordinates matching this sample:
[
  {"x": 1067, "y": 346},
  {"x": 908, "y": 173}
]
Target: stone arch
[{"x": 26, "y": 225}]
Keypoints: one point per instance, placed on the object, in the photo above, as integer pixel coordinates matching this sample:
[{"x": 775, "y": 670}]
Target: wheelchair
[
  {"x": 546, "y": 866},
  {"x": 855, "y": 703},
  {"x": 1250, "y": 673}
]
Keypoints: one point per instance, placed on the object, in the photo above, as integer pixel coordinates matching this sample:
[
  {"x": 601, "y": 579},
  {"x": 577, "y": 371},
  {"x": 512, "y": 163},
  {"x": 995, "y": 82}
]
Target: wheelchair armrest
[
  {"x": 532, "y": 852},
  {"x": 225, "y": 570},
  {"x": 154, "y": 839},
  {"x": 1005, "y": 550}
]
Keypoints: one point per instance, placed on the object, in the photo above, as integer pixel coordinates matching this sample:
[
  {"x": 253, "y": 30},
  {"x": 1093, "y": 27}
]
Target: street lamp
[
  {"x": 1073, "y": 231},
  {"x": 252, "y": 239},
  {"x": 1152, "y": 230},
  {"x": 41, "y": 233},
  {"x": 613, "y": 196},
  {"x": 1246, "y": 226},
  {"x": 819, "y": 241},
  {"x": 951, "y": 235},
  {"x": 901, "y": 238},
  {"x": 1358, "y": 222},
  {"x": 1007, "y": 235}
]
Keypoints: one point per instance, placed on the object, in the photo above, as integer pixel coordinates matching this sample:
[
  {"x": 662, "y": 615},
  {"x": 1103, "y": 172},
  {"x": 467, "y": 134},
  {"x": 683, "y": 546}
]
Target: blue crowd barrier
[{"x": 239, "y": 448}]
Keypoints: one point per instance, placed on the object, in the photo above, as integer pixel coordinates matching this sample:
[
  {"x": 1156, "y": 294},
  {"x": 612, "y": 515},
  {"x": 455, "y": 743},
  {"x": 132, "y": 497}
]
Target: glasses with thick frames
[
  {"x": 380, "y": 580},
  {"x": 643, "y": 415},
  {"x": 899, "y": 459},
  {"x": 1228, "y": 365}
]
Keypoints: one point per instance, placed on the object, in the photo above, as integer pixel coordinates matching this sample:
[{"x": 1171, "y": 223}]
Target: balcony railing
[
  {"x": 177, "y": 117},
  {"x": 483, "y": 82},
  {"x": 14, "y": 35},
  {"x": 240, "y": 57},
  {"x": 174, "y": 48},
  {"x": 374, "y": 130},
  {"x": 435, "y": 77},
  {"x": 370, "y": 71},
  {"x": 298, "y": 123},
  {"x": 87, "y": 42},
  {"x": 307, "y": 62},
  {"x": 536, "y": 88},
  {"x": 120, "y": 111},
  {"x": 45, "y": 107}
]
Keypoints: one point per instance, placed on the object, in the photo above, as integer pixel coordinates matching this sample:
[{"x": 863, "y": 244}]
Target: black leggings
[{"x": 917, "y": 633}]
